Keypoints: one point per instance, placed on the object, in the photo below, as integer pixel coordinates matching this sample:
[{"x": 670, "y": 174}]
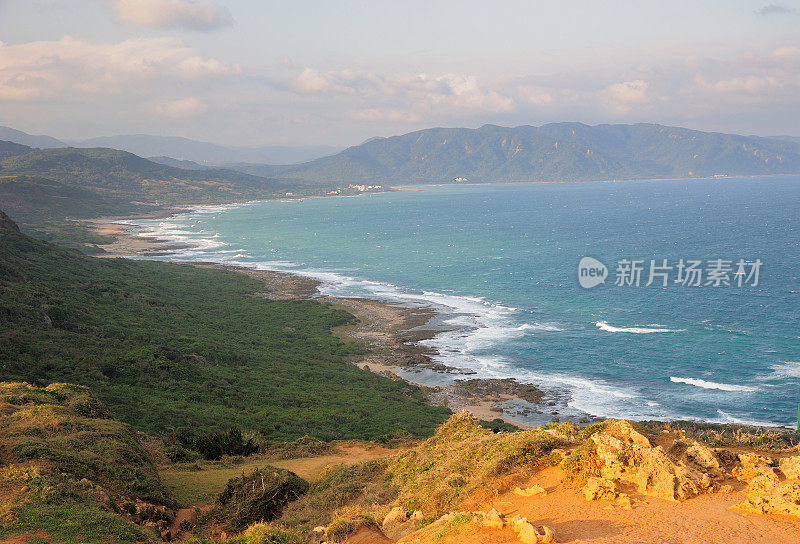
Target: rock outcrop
[
  {"x": 399, "y": 523},
  {"x": 624, "y": 455},
  {"x": 774, "y": 487},
  {"x": 599, "y": 489}
]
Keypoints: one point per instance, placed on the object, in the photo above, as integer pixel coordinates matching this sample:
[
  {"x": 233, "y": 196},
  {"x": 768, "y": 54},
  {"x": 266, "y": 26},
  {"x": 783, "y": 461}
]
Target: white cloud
[
  {"x": 622, "y": 96},
  {"x": 52, "y": 68},
  {"x": 312, "y": 82},
  {"x": 455, "y": 91},
  {"x": 450, "y": 93},
  {"x": 769, "y": 77},
  {"x": 190, "y": 14},
  {"x": 182, "y": 108}
]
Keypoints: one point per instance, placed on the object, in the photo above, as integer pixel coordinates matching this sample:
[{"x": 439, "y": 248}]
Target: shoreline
[
  {"x": 390, "y": 329},
  {"x": 501, "y": 398}
]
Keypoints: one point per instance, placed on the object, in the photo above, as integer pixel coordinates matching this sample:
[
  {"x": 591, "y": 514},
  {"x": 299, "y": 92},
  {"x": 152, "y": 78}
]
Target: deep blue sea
[{"x": 501, "y": 264}]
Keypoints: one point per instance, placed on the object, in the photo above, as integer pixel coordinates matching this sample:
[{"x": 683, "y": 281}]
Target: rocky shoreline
[{"x": 391, "y": 330}]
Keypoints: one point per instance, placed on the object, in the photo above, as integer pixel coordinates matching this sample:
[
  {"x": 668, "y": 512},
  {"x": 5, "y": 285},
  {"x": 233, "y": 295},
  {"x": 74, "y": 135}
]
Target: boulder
[
  {"x": 624, "y": 431},
  {"x": 598, "y": 489},
  {"x": 493, "y": 520},
  {"x": 533, "y": 491},
  {"x": 398, "y": 523},
  {"x": 703, "y": 458},
  {"x": 528, "y": 533}
]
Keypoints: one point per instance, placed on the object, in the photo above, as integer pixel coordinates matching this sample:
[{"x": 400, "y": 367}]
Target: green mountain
[
  {"x": 11, "y": 149},
  {"x": 560, "y": 151},
  {"x": 119, "y": 174},
  {"x": 178, "y": 348},
  {"x": 29, "y": 199}
]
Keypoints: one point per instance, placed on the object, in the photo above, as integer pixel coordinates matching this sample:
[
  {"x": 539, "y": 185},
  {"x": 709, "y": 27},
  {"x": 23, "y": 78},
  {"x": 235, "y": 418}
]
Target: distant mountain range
[
  {"x": 9, "y": 134},
  {"x": 554, "y": 152},
  {"x": 204, "y": 153}
]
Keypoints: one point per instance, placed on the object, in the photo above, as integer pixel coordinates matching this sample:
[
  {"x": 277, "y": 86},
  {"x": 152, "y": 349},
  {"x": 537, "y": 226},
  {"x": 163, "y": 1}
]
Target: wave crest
[
  {"x": 604, "y": 326},
  {"x": 712, "y": 385}
]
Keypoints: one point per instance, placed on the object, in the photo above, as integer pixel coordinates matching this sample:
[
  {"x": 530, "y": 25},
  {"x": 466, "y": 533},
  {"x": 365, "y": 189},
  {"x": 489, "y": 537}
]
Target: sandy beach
[
  {"x": 391, "y": 330},
  {"x": 128, "y": 244}
]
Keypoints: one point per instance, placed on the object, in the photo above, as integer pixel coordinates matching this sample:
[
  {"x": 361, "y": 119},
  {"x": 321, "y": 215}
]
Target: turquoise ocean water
[{"x": 500, "y": 263}]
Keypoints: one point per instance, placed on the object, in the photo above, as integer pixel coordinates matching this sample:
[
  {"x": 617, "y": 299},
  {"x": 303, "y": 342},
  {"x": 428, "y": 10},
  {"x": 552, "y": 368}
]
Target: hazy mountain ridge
[
  {"x": 205, "y": 153},
  {"x": 17, "y": 136},
  {"x": 554, "y": 152},
  {"x": 180, "y": 149}
]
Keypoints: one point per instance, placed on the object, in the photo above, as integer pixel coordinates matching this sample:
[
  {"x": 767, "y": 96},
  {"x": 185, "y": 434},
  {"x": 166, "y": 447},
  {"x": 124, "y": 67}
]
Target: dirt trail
[
  {"x": 311, "y": 468},
  {"x": 702, "y": 520}
]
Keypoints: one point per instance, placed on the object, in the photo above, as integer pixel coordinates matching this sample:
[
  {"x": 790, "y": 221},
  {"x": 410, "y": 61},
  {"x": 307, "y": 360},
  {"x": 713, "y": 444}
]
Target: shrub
[
  {"x": 231, "y": 442},
  {"x": 258, "y": 497}
]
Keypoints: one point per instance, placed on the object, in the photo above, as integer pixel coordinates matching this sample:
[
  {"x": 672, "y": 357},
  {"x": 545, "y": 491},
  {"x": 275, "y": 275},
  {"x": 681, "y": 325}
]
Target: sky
[{"x": 337, "y": 72}]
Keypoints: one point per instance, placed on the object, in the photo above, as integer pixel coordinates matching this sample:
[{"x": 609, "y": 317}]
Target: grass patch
[
  {"x": 463, "y": 458},
  {"x": 73, "y": 522}
]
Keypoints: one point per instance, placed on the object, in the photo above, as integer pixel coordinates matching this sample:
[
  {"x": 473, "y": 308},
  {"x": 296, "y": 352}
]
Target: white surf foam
[
  {"x": 783, "y": 370},
  {"x": 712, "y": 385},
  {"x": 604, "y": 326}
]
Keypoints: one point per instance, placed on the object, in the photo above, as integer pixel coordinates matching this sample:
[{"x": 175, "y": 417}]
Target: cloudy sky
[{"x": 250, "y": 72}]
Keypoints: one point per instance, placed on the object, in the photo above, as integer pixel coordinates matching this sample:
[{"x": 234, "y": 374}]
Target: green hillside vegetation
[
  {"x": 11, "y": 149},
  {"x": 119, "y": 174},
  {"x": 176, "y": 348},
  {"x": 68, "y": 469},
  {"x": 554, "y": 152},
  {"x": 29, "y": 198}
]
